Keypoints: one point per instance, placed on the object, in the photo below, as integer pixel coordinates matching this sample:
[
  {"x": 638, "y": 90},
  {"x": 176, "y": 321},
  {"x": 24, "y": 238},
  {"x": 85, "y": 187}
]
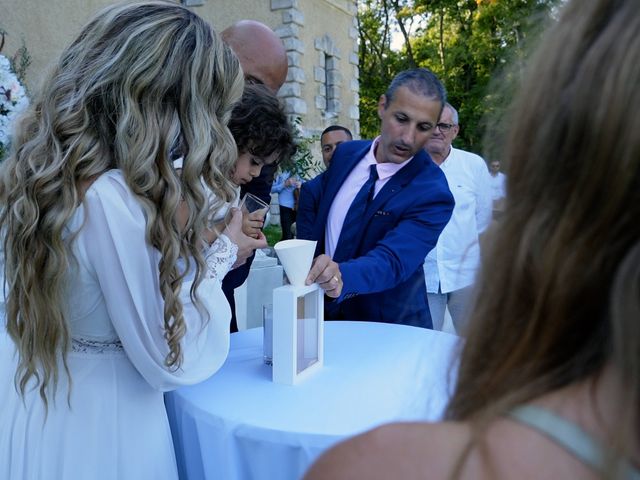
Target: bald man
[
  {"x": 260, "y": 51},
  {"x": 264, "y": 60}
]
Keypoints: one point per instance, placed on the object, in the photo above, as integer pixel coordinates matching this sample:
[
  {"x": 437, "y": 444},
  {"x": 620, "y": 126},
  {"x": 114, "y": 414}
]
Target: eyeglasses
[{"x": 445, "y": 127}]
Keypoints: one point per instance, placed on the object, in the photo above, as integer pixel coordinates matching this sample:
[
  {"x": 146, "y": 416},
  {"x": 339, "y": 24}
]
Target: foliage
[
  {"x": 302, "y": 163},
  {"x": 378, "y": 63},
  {"x": 273, "y": 234},
  {"x": 20, "y": 61},
  {"x": 465, "y": 42}
]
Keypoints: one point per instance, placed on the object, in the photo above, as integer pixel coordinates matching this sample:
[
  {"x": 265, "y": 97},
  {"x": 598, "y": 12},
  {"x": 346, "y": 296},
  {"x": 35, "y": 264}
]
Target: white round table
[{"x": 241, "y": 425}]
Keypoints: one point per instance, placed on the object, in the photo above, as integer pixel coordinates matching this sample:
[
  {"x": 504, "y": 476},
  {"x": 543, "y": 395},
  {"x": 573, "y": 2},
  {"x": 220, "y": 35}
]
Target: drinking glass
[
  {"x": 250, "y": 203},
  {"x": 267, "y": 338}
]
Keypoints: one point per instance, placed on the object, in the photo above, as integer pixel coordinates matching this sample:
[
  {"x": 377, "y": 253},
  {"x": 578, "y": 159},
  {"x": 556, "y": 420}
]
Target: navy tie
[{"x": 347, "y": 242}]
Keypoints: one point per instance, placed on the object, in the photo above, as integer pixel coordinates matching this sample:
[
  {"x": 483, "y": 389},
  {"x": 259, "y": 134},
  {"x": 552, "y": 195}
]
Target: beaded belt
[{"x": 85, "y": 345}]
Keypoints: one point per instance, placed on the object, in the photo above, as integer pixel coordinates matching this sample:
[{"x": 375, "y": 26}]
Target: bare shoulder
[{"x": 400, "y": 450}]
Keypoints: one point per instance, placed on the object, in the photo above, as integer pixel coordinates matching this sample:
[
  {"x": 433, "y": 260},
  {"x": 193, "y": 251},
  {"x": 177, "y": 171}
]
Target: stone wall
[{"x": 320, "y": 37}]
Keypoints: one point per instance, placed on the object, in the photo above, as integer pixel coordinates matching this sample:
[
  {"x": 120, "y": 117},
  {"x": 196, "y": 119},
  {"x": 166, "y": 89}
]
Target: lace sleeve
[{"x": 220, "y": 256}]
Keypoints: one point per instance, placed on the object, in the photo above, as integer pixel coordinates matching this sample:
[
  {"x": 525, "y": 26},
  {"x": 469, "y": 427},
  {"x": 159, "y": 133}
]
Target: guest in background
[
  {"x": 286, "y": 186},
  {"x": 331, "y": 137},
  {"x": 382, "y": 207},
  {"x": 99, "y": 233},
  {"x": 498, "y": 191},
  {"x": 261, "y": 53},
  {"x": 264, "y": 61},
  {"x": 450, "y": 268},
  {"x": 310, "y": 191},
  {"x": 549, "y": 379}
]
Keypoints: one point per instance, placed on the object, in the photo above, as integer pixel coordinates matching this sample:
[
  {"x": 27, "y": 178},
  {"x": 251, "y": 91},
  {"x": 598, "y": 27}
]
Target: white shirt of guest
[
  {"x": 350, "y": 188},
  {"x": 497, "y": 186},
  {"x": 453, "y": 262}
]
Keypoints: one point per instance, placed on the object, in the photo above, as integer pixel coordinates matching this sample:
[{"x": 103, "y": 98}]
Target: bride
[{"x": 111, "y": 280}]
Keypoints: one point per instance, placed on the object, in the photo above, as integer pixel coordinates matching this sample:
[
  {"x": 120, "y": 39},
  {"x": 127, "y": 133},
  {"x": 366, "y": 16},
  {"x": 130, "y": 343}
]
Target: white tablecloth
[{"x": 241, "y": 425}]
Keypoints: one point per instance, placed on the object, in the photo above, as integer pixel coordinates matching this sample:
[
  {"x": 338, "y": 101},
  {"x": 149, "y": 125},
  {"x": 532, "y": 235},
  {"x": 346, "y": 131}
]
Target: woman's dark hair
[{"x": 260, "y": 126}]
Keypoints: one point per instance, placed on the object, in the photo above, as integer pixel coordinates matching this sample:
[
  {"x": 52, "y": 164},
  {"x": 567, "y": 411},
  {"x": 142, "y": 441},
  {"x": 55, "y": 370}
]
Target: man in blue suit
[{"x": 382, "y": 206}]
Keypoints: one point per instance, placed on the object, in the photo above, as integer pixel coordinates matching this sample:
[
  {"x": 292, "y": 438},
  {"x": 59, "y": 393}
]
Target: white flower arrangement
[{"x": 13, "y": 100}]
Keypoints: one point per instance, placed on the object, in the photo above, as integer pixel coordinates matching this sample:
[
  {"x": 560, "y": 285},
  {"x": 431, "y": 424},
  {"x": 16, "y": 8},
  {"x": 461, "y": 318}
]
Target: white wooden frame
[{"x": 286, "y": 331}]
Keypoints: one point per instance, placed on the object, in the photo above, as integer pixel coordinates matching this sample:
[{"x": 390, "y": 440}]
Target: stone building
[{"x": 320, "y": 37}]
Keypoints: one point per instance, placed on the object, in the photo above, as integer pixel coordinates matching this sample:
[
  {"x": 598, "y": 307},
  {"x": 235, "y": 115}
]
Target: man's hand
[
  {"x": 327, "y": 274},
  {"x": 292, "y": 182}
]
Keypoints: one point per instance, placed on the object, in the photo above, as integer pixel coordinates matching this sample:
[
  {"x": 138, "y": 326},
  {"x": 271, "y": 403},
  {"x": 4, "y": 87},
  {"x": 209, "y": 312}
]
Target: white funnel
[{"x": 296, "y": 256}]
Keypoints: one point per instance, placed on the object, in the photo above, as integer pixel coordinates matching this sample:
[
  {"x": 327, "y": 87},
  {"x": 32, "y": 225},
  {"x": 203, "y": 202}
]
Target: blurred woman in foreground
[{"x": 549, "y": 380}]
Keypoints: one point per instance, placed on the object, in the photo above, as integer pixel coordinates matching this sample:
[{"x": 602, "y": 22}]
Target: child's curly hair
[{"x": 260, "y": 126}]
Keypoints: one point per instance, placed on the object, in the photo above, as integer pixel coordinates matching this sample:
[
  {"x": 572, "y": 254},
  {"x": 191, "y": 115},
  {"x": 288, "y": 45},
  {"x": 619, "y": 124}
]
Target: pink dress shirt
[{"x": 350, "y": 188}]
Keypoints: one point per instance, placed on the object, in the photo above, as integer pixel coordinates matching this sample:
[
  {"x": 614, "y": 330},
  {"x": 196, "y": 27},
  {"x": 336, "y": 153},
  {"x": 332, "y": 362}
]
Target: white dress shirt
[
  {"x": 453, "y": 262},
  {"x": 497, "y": 186}
]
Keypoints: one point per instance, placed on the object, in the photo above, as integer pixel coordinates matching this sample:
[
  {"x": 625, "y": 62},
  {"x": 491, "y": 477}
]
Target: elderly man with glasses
[{"x": 451, "y": 266}]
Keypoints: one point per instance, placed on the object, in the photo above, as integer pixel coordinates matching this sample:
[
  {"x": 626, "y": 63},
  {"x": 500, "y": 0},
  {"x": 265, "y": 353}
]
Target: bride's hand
[{"x": 246, "y": 245}]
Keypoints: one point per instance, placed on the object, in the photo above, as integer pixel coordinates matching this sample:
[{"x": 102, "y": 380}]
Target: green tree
[
  {"x": 301, "y": 163},
  {"x": 378, "y": 63},
  {"x": 465, "y": 42}
]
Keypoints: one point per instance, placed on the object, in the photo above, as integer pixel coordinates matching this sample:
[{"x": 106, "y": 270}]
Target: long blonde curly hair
[{"x": 139, "y": 77}]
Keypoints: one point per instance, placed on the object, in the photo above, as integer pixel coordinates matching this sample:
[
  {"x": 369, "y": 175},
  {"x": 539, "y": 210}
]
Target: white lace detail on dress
[
  {"x": 220, "y": 256},
  {"x": 96, "y": 347}
]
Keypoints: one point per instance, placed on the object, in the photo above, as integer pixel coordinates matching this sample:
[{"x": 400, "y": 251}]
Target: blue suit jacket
[
  {"x": 310, "y": 193},
  {"x": 384, "y": 280}
]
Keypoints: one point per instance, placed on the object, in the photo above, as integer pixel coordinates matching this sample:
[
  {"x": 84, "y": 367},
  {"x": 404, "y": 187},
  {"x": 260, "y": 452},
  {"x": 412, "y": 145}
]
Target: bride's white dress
[{"x": 110, "y": 421}]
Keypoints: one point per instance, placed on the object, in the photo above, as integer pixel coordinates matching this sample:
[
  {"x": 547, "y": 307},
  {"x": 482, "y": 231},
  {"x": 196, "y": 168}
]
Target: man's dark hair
[
  {"x": 260, "y": 126},
  {"x": 421, "y": 81},
  {"x": 333, "y": 128}
]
